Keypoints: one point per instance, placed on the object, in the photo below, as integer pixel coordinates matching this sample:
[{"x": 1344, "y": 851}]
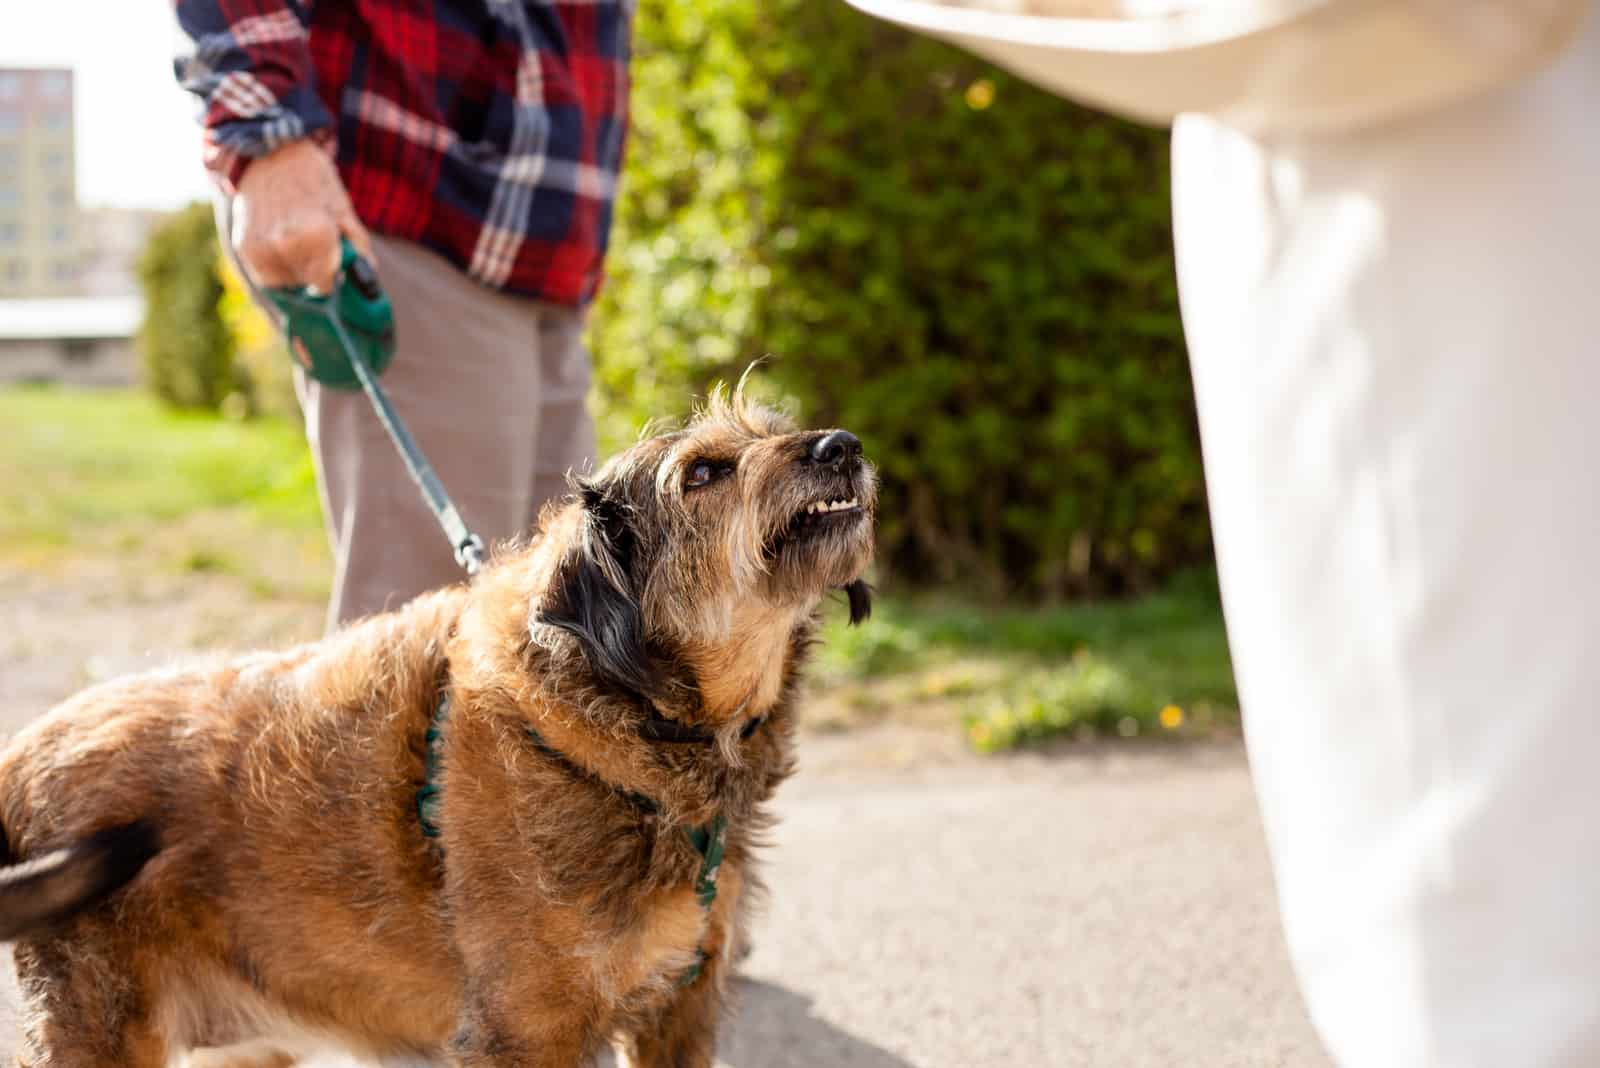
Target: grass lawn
[
  {"x": 1015, "y": 675},
  {"x": 113, "y": 475}
]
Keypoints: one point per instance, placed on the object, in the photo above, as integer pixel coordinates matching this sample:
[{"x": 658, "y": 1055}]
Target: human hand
[{"x": 289, "y": 212}]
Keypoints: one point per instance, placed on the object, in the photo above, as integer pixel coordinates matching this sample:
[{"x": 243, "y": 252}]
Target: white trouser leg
[{"x": 1396, "y": 349}]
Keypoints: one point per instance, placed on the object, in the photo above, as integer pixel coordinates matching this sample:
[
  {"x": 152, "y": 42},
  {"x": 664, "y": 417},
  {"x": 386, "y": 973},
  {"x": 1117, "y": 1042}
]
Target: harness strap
[
  {"x": 709, "y": 840},
  {"x": 644, "y": 804},
  {"x": 428, "y": 792}
]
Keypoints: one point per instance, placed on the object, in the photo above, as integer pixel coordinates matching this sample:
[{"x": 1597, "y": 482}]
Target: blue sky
[{"x": 137, "y": 141}]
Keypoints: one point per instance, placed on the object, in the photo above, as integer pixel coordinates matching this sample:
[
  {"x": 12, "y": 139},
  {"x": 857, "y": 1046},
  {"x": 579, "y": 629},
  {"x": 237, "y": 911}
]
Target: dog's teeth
[{"x": 822, "y": 507}]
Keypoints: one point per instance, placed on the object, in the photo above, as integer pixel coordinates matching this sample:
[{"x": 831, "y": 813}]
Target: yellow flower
[
  {"x": 980, "y": 94},
  {"x": 1172, "y": 717},
  {"x": 250, "y": 326}
]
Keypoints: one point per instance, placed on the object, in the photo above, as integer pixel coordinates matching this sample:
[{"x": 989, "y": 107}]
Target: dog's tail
[{"x": 58, "y": 885}]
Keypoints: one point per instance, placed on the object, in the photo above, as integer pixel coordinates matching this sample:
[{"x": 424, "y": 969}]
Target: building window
[
  {"x": 61, "y": 196},
  {"x": 16, "y": 271},
  {"x": 10, "y": 85},
  {"x": 10, "y": 234},
  {"x": 60, "y": 233},
  {"x": 77, "y": 350},
  {"x": 10, "y": 122},
  {"x": 55, "y": 161},
  {"x": 9, "y": 196},
  {"x": 64, "y": 272},
  {"x": 56, "y": 83},
  {"x": 57, "y": 120}
]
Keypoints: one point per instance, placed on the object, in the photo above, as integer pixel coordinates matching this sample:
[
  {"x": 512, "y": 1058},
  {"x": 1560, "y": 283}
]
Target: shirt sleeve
[{"x": 251, "y": 66}]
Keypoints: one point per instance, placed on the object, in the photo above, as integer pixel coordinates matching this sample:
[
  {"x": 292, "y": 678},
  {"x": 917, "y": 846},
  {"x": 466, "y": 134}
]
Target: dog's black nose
[{"x": 837, "y": 449}]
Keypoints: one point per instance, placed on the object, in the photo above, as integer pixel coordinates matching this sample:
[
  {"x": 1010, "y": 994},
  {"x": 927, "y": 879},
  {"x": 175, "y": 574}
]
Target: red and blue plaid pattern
[{"x": 487, "y": 130}]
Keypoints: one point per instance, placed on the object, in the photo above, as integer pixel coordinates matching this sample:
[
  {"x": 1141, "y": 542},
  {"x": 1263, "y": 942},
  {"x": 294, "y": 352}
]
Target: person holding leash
[{"x": 471, "y": 153}]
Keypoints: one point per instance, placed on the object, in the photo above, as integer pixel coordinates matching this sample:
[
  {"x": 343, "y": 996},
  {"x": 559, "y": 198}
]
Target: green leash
[
  {"x": 344, "y": 340},
  {"x": 709, "y": 840}
]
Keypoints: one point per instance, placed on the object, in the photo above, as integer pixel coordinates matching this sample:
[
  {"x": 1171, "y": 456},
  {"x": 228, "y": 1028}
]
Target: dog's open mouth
[{"x": 821, "y": 515}]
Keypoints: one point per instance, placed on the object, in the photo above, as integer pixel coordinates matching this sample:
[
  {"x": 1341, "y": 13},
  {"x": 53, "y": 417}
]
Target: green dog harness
[{"x": 708, "y": 840}]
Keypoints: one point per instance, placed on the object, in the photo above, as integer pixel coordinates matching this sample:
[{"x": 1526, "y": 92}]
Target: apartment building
[{"x": 40, "y": 252}]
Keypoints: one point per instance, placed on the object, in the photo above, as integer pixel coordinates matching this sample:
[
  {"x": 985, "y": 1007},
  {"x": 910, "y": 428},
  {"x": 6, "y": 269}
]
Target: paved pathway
[{"x": 1099, "y": 909}]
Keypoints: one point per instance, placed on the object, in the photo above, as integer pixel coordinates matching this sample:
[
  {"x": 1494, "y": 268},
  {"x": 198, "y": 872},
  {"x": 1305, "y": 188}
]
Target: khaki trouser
[{"x": 491, "y": 386}]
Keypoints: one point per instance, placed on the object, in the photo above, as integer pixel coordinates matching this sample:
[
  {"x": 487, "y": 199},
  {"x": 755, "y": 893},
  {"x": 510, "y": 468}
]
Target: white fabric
[
  {"x": 1394, "y": 340},
  {"x": 1269, "y": 65}
]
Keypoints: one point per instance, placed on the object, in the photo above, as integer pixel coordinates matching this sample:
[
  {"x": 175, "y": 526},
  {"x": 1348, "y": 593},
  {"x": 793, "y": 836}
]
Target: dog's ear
[
  {"x": 593, "y": 597},
  {"x": 860, "y": 595}
]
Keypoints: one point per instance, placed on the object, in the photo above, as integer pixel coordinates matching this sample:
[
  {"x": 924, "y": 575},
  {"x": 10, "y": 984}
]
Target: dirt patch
[{"x": 64, "y": 627}]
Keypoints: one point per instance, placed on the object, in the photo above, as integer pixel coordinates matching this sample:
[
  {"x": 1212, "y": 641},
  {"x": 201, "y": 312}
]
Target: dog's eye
[{"x": 703, "y": 473}]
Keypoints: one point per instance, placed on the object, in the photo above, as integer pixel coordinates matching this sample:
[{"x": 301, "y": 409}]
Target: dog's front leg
[
  {"x": 525, "y": 1036},
  {"x": 683, "y": 1034}
]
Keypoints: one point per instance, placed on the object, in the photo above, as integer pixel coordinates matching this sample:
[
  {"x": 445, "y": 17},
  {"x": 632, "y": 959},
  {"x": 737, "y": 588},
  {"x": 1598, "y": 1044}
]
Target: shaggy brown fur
[{"x": 287, "y": 891}]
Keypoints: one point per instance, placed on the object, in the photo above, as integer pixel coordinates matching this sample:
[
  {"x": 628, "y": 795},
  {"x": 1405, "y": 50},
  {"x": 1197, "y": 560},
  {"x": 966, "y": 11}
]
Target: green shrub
[
  {"x": 1018, "y": 674},
  {"x": 972, "y": 275},
  {"x": 186, "y": 348}
]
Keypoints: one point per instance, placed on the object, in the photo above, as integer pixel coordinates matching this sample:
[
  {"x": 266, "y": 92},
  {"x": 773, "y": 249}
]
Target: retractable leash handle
[
  {"x": 358, "y": 304},
  {"x": 345, "y": 340}
]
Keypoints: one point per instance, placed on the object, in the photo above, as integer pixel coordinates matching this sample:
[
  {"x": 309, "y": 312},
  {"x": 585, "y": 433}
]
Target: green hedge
[
  {"x": 186, "y": 347},
  {"x": 972, "y": 275}
]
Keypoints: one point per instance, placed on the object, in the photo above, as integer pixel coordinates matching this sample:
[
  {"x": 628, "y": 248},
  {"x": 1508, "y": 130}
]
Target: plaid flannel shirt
[{"x": 487, "y": 130}]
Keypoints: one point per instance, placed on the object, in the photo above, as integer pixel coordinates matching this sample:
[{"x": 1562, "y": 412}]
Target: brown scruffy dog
[{"x": 484, "y": 829}]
